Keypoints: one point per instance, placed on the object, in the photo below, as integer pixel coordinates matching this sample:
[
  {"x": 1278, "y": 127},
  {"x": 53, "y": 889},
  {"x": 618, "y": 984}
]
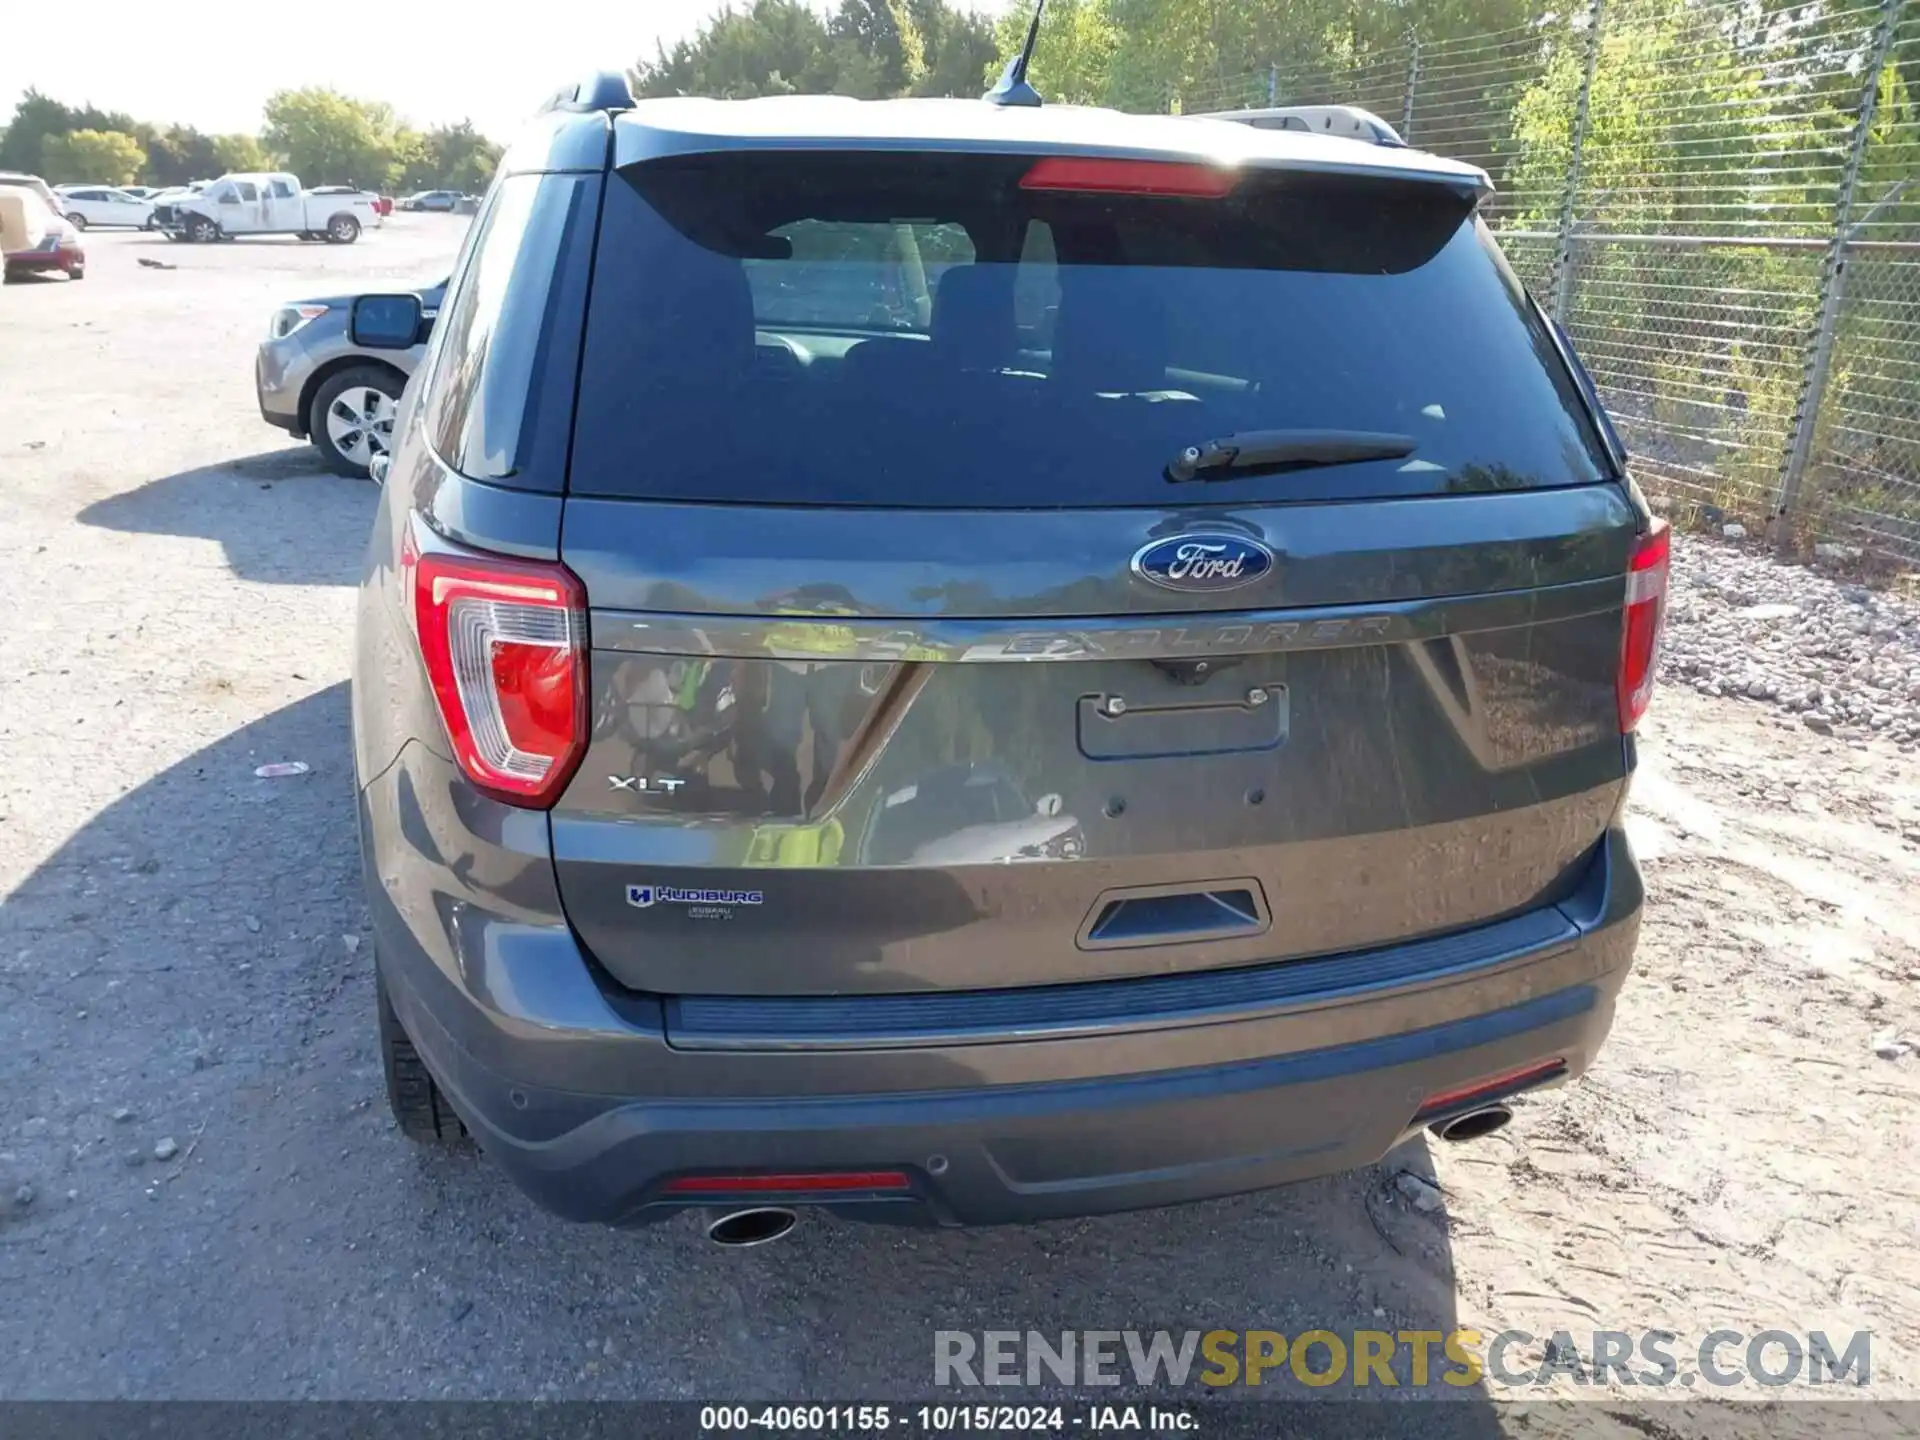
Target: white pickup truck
[{"x": 271, "y": 204}]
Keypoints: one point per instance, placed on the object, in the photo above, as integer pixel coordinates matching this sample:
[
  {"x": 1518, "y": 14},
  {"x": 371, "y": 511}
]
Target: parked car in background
[
  {"x": 313, "y": 382},
  {"x": 173, "y": 195},
  {"x": 33, "y": 183},
  {"x": 266, "y": 204},
  {"x": 467, "y": 205},
  {"x": 142, "y": 192},
  {"x": 445, "y": 200},
  {"x": 379, "y": 214},
  {"x": 86, "y": 205},
  {"x": 35, "y": 237}
]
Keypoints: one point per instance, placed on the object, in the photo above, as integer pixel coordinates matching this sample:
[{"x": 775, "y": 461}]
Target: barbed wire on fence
[{"x": 1722, "y": 204}]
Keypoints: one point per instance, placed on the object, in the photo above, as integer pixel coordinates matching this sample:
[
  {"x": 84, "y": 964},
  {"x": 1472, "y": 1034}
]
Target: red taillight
[
  {"x": 836, "y": 1181},
  {"x": 1129, "y": 177},
  {"x": 504, "y": 643},
  {"x": 1646, "y": 611},
  {"x": 1492, "y": 1087}
]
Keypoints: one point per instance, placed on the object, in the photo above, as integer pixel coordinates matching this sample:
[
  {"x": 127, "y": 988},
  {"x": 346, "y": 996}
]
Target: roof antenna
[{"x": 1012, "y": 88}]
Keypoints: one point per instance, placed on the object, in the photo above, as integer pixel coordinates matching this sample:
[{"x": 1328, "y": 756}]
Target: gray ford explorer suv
[{"x": 978, "y": 663}]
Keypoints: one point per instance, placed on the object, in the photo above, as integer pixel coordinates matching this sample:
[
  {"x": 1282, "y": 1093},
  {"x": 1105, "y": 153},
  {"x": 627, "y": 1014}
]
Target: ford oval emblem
[{"x": 1203, "y": 561}]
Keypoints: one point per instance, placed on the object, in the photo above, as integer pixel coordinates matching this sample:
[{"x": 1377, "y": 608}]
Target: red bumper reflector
[
  {"x": 1492, "y": 1088},
  {"x": 788, "y": 1184},
  {"x": 1129, "y": 177}
]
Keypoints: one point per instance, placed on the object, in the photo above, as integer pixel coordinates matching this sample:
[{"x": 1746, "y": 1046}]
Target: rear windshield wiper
[{"x": 1249, "y": 450}]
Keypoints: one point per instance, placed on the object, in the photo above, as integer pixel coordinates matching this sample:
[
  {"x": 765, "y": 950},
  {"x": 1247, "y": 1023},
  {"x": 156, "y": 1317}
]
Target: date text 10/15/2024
[{"x": 943, "y": 1419}]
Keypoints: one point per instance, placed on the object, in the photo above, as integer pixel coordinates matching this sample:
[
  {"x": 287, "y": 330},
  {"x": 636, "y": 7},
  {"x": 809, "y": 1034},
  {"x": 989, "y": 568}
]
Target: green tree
[
  {"x": 37, "y": 118},
  {"x": 1073, "y": 63},
  {"x": 775, "y": 47},
  {"x": 177, "y": 154},
  {"x": 1148, "y": 54},
  {"x": 959, "y": 46},
  {"x": 870, "y": 49},
  {"x": 96, "y": 157},
  {"x": 451, "y": 157},
  {"x": 328, "y": 138},
  {"x": 239, "y": 152}
]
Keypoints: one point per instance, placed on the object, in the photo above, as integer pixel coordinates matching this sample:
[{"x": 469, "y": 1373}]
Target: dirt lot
[{"x": 182, "y": 959}]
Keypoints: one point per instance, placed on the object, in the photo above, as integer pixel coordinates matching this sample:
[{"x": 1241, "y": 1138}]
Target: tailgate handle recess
[{"x": 1176, "y": 915}]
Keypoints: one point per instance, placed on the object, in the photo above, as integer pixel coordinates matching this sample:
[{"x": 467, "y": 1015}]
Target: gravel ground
[
  {"x": 1841, "y": 655},
  {"x": 200, "y": 1191}
]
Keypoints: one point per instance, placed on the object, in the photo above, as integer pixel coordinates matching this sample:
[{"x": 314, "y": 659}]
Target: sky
[{"x": 212, "y": 63}]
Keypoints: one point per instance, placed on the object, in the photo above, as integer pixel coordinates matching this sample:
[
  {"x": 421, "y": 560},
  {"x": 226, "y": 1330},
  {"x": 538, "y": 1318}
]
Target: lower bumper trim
[{"x": 1031, "y": 1152}]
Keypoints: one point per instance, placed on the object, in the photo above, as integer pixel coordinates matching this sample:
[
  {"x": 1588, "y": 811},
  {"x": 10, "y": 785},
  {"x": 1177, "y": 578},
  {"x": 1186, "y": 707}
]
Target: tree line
[
  {"x": 869, "y": 49},
  {"x": 321, "y": 135},
  {"x": 1128, "y": 53}
]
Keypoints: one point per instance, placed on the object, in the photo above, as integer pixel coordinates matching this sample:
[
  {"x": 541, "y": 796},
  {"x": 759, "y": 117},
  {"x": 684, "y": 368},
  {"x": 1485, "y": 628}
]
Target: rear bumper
[
  {"x": 584, "y": 1098},
  {"x": 68, "y": 260},
  {"x": 1026, "y": 1153}
]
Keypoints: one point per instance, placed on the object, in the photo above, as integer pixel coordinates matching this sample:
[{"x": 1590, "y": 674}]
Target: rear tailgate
[{"x": 913, "y": 670}]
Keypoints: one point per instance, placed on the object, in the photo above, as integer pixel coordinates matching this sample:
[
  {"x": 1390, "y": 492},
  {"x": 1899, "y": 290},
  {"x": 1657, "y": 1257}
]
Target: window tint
[
  {"x": 247, "y": 191},
  {"x": 922, "y": 330},
  {"x": 508, "y": 333},
  {"x": 859, "y": 276},
  {"x": 226, "y": 195},
  {"x": 282, "y": 190}
]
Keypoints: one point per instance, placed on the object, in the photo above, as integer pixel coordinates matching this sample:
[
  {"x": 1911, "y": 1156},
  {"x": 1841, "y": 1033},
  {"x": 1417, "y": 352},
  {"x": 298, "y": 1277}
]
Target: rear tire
[
  {"x": 418, "y": 1106},
  {"x": 77, "y": 220},
  {"x": 342, "y": 230}
]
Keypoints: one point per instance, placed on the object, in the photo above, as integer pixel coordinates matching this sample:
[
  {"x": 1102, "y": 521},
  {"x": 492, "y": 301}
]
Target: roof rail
[
  {"x": 1348, "y": 121},
  {"x": 601, "y": 90}
]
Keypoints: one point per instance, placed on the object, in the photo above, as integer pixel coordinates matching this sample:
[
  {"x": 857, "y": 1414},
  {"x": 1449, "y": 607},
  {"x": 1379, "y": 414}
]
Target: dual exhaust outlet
[{"x": 763, "y": 1224}]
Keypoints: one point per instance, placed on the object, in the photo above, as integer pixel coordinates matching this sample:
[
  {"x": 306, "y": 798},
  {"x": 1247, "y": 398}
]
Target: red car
[{"x": 35, "y": 238}]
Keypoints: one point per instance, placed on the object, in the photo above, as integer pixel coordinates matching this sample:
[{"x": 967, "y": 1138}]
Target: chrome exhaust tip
[
  {"x": 1474, "y": 1125},
  {"x": 762, "y": 1225}
]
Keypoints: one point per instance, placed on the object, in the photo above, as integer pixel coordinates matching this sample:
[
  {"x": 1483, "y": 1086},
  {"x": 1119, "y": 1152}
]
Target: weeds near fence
[{"x": 1721, "y": 201}]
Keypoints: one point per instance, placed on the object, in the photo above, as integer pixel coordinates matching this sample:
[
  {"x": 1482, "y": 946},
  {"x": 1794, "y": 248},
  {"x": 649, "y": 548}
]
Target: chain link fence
[{"x": 1721, "y": 201}]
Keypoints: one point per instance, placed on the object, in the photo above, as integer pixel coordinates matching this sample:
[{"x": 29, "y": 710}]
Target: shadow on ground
[
  {"x": 191, "y": 966},
  {"x": 281, "y": 516}
]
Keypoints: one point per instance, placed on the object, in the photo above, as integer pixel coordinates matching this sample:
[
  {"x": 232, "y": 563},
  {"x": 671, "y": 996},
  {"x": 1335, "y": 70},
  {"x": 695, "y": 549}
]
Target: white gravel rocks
[{"x": 1844, "y": 657}]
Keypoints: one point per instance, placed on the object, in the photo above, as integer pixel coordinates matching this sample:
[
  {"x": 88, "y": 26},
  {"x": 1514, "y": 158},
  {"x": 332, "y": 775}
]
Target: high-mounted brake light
[
  {"x": 504, "y": 643},
  {"x": 1129, "y": 177},
  {"x": 1646, "y": 613}
]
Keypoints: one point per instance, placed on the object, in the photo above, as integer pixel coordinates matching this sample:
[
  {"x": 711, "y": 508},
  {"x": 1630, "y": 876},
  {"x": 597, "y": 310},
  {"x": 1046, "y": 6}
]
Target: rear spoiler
[{"x": 1349, "y": 122}]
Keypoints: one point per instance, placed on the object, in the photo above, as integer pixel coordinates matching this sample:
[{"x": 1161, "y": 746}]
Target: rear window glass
[
  {"x": 508, "y": 334},
  {"x": 923, "y": 331}
]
